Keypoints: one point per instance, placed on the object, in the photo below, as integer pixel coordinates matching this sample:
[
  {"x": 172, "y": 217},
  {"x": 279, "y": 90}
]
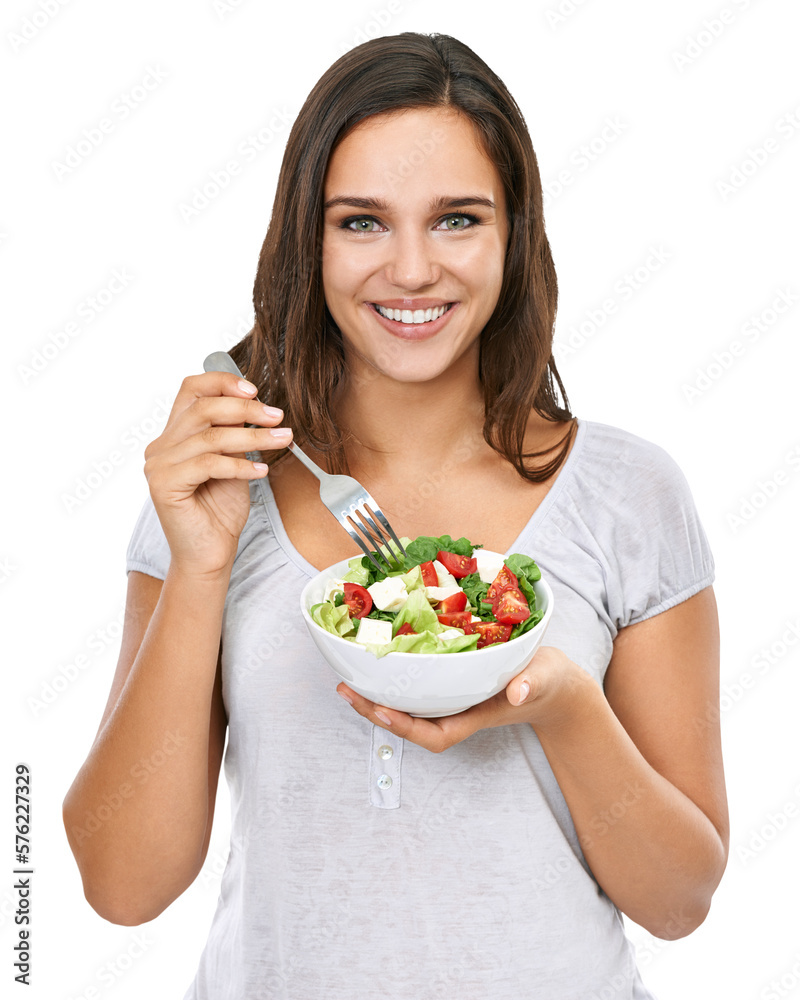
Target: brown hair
[{"x": 294, "y": 352}]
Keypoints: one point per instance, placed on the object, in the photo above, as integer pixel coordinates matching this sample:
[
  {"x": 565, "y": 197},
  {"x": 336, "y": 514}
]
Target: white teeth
[{"x": 413, "y": 316}]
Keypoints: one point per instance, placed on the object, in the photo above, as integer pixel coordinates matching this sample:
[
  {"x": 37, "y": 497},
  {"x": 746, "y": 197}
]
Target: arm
[
  {"x": 640, "y": 768},
  {"x": 642, "y": 772},
  {"x": 138, "y": 815}
]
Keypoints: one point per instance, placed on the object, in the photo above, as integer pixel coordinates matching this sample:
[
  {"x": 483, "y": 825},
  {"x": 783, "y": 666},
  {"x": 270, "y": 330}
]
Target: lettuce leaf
[
  {"x": 356, "y": 572},
  {"x": 381, "y": 616},
  {"x": 523, "y": 566},
  {"x": 527, "y": 625},
  {"x": 458, "y": 643},
  {"x": 422, "y": 549},
  {"x": 424, "y": 642},
  {"x": 413, "y": 580},
  {"x": 333, "y": 619},
  {"x": 527, "y": 592},
  {"x": 475, "y": 589},
  {"x": 418, "y": 613},
  {"x": 460, "y": 546},
  {"x": 371, "y": 574}
]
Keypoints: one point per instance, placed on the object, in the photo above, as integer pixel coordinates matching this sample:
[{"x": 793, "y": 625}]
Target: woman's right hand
[{"x": 197, "y": 473}]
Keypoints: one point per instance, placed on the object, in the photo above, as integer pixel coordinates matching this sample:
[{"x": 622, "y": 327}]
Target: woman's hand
[
  {"x": 538, "y": 695},
  {"x": 197, "y": 473}
]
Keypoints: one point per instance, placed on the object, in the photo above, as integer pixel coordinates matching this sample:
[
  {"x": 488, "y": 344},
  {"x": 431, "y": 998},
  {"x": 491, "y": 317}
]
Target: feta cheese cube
[
  {"x": 389, "y": 594},
  {"x": 449, "y": 633},
  {"x": 373, "y": 630},
  {"x": 489, "y": 564}
]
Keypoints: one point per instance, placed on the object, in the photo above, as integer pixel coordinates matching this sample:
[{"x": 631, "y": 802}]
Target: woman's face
[{"x": 415, "y": 221}]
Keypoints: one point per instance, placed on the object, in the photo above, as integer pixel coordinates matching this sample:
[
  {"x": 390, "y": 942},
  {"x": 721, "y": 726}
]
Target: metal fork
[{"x": 344, "y": 496}]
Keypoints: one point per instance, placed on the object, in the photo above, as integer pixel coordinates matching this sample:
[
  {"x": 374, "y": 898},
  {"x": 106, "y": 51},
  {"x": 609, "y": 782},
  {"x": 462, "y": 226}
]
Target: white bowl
[{"x": 425, "y": 685}]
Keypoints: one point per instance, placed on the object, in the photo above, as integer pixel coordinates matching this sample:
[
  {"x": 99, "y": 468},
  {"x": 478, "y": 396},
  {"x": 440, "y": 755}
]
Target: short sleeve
[
  {"x": 663, "y": 553},
  {"x": 148, "y": 549}
]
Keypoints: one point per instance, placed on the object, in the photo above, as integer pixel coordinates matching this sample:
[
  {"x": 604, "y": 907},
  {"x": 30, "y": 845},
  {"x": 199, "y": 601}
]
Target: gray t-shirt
[{"x": 464, "y": 878}]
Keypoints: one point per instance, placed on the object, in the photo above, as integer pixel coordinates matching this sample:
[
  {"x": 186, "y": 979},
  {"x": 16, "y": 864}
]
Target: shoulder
[
  {"x": 636, "y": 502},
  {"x": 605, "y": 442},
  {"x": 620, "y": 467}
]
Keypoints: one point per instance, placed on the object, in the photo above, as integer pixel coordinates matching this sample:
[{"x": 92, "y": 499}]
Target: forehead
[{"x": 414, "y": 148}]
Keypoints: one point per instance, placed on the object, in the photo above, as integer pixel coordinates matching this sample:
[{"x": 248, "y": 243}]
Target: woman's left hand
[{"x": 536, "y": 696}]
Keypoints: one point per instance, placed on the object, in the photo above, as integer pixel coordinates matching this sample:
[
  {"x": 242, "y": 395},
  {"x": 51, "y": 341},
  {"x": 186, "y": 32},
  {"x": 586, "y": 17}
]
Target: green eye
[
  {"x": 363, "y": 224},
  {"x": 458, "y": 221}
]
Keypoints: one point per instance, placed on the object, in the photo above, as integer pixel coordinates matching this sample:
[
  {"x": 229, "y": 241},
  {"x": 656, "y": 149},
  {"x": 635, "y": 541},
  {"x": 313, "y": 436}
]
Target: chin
[
  {"x": 427, "y": 362},
  {"x": 411, "y": 374}
]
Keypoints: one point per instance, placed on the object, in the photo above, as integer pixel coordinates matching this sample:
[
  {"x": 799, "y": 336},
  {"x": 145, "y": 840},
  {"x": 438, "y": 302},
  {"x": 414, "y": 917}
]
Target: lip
[
  {"x": 411, "y": 303},
  {"x": 412, "y": 331}
]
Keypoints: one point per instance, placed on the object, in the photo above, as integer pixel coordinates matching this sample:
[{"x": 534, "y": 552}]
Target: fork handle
[
  {"x": 221, "y": 361},
  {"x": 321, "y": 474}
]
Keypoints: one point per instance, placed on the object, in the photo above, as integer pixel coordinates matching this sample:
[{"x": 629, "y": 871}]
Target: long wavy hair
[{"x": 294, "y": 353}]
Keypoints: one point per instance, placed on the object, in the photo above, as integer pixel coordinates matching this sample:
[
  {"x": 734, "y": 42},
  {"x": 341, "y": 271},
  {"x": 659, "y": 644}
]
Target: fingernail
[
  {"x": 245, "y": 386},
  {"x": 281, "y": 433},
  {"x": 384, "y": 718},
  {"x": 346, "y": 697},
  {"x": 272, "y": 411},
  {"x": 524, "y": 691}
]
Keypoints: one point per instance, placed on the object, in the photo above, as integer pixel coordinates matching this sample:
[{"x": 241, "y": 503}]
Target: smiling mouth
[{"x": 412, "y": 317}]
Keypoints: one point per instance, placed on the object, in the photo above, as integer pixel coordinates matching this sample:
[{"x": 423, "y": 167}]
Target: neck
[{"x": 392, "y": 426}]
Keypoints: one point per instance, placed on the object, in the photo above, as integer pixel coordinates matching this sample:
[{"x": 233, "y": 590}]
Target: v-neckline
[{"x": 535, "y": 520}]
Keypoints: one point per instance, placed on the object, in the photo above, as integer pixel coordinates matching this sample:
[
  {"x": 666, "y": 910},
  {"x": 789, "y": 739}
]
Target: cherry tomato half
[
  {"x": 358, "y": 599},
  {"x": 504, "y": 579},
  {"x": 458, "y": 619},
  {"x": 455, "y": 602},
  {"x": 489, "y": 632},
  {"x": 457, "y": 566},
  {"x": 510, "y": 607},
  {"x": 429, "y": 577}
]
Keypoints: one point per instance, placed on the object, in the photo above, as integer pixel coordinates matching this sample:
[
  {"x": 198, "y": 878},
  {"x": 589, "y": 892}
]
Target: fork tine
[
  {"x": 377, "y": 512},
  {"x": 373, "y": 536},
  {"x": 374, "y": 532},
  {"x": 366, "y": 549}
]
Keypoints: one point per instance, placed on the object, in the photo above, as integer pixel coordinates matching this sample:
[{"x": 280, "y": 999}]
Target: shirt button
[
  {"x": 384, "y": 781},
  {"x": 385, "y": 752}
]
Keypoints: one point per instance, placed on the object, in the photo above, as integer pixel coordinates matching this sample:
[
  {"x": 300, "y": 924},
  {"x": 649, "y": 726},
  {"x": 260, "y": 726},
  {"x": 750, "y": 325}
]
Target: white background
[{"x": 699, "y": 100}]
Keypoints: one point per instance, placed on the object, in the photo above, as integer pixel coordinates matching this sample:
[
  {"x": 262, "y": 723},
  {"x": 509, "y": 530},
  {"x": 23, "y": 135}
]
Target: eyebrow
[{"x": 379, "y": 205}]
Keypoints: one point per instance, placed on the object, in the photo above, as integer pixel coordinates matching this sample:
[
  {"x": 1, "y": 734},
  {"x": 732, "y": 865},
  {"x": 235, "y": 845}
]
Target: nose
[{"x": 411, "y": 263}]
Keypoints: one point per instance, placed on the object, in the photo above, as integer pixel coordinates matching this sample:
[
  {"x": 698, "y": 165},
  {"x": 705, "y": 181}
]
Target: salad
[{"x": 445, "y": 596}]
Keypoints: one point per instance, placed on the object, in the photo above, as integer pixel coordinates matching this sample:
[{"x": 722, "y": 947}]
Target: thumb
[{"x": 519, "y": 690}]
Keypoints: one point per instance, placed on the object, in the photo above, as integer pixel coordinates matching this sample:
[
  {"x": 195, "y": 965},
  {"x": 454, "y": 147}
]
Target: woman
[{"x": 496, "y": 861}]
